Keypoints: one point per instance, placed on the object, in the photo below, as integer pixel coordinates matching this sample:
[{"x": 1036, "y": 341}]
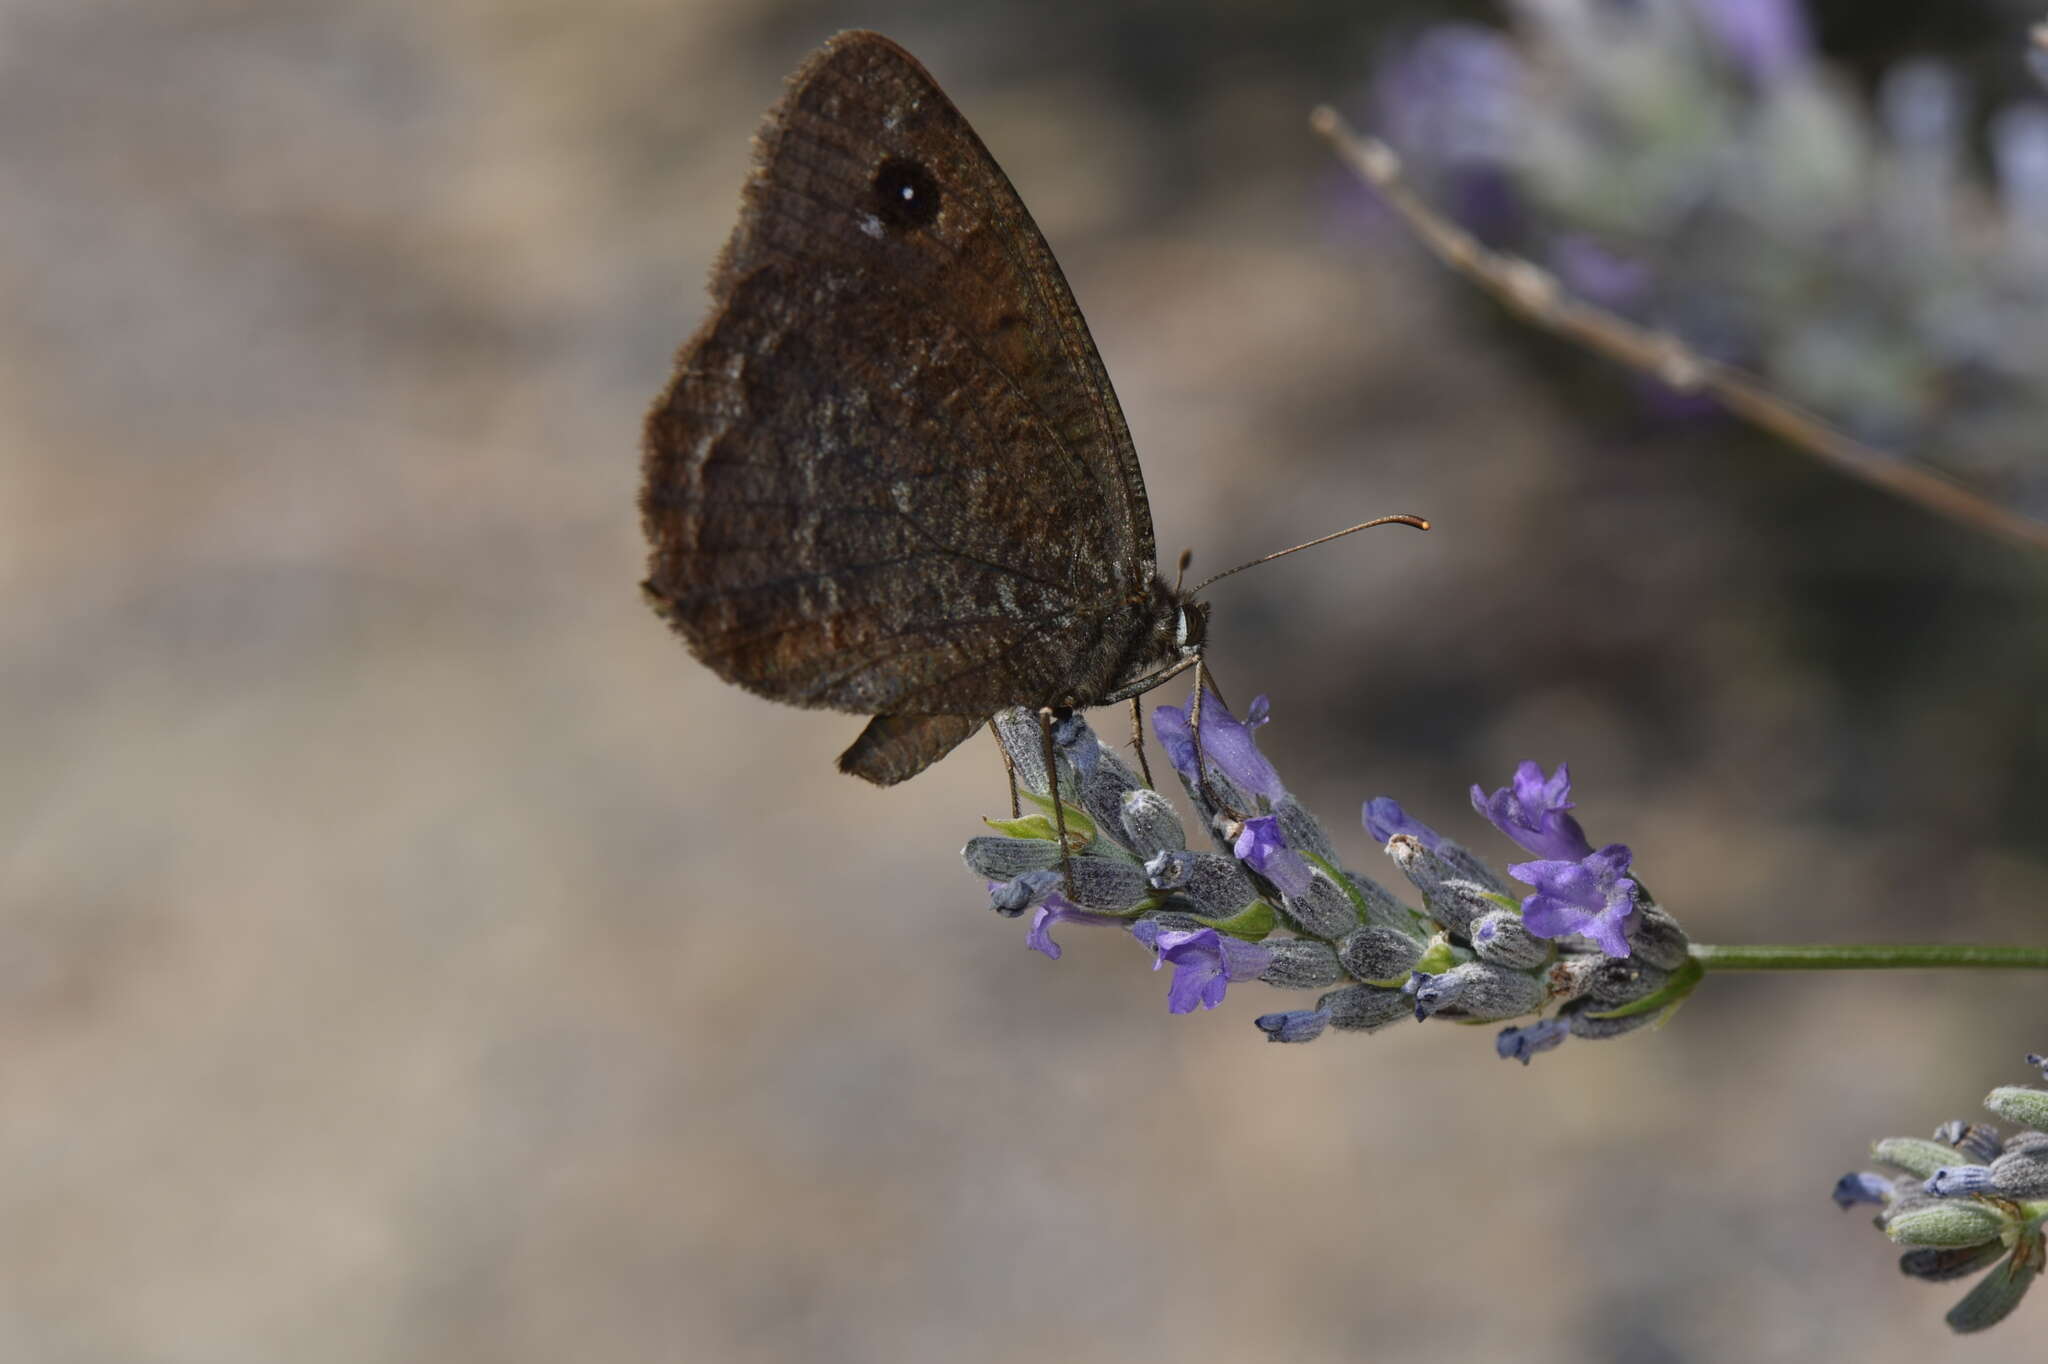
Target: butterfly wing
[{"x": 890, "y": 475}]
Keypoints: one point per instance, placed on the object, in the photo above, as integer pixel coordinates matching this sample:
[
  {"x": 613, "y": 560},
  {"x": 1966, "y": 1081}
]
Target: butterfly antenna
[
  {"x": 1187, "y": 556},
  {"x": 1416, "y": 521}
]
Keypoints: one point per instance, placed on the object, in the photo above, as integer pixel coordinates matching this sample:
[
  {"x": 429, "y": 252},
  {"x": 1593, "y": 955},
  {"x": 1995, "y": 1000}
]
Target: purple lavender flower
[
  {"x": 1589, "y": 896},
  {"x": 1861, "y": 1187},
  {"x": 1058, "y": 908},
  {"x": 1300, "y": 1025},
  {"x": 1260, "y": 847},
  {"x": 1227, "y": 745},
  {"x": 1384, "y": 818},
  {"x": 1204, "y": 962},
  {"x": 1522, "y": 1043},
  {"x": 1531, "y": 811},
  {"x": 1433, "y": 992},
  {"x": 1767, "y": 39}
]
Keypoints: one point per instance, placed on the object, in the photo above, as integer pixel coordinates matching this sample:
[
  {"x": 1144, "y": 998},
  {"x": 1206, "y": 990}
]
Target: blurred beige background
[{"x": 408, "y": 953}]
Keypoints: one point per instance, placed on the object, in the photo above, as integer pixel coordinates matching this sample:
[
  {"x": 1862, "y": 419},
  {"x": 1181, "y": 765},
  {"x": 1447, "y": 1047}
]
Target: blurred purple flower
[
  {"x": 1227, "y": 744},
  {"x": 1260, "y": 847},
  {"x": 1384, "y": 818},
  {"x": 2019, "y": 148},
  {"x": 1204, "y": 962},
  {"x": 1531, "y": 811},
  {"x": 1454, "y": 95},
  {"x": 1590, "y": 896},
  {"x": 1300, "y": 1025},
  {"x": 1863, "y": 1187},
  {"x": 1522, "y": 1043},
  {"x": 1767, "y": 39},
  {"x": 1453, "y": 100},
  {"x": 1597, "y": 274}
]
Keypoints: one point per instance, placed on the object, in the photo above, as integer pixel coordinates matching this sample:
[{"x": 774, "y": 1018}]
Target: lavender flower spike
[
  {"x": 1590, "y": 896},
  {"x": 1205, "y": 962},
  {"x": 1531, "y": 811},
  {"x": 1227, "y": 745}
]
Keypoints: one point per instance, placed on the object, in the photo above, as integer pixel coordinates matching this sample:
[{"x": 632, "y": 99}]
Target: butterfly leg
[
  {"x": 1009, "y": 767},
  {"x": 1052, "y": 784},
  {"x": 1138, "y": 739}
]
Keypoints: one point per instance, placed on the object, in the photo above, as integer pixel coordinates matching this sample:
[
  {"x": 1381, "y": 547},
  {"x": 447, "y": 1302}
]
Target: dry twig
[{"x": 1535, "y": 294}]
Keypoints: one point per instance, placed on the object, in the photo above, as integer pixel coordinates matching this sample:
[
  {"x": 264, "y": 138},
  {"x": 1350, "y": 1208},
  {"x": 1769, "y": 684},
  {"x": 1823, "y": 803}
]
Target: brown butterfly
[{"x": 890, "y": 476}]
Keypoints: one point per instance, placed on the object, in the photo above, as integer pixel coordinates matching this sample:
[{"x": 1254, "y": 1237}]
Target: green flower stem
[{"x": 1869, "y": 957}]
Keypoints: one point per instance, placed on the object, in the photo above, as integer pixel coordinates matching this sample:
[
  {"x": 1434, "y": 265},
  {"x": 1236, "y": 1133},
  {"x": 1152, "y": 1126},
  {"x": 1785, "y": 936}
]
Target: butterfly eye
[
  {"x": 1190, "y": 628},
  {"x": 906, "y": 196}
]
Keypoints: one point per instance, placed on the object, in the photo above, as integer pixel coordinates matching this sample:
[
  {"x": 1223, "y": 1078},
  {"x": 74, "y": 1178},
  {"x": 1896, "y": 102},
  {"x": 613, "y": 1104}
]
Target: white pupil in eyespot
[{"x": 908, "y": 194}]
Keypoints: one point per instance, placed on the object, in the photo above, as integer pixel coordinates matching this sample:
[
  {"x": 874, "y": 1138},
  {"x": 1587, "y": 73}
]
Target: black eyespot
[{"x": 906, "y": 195}]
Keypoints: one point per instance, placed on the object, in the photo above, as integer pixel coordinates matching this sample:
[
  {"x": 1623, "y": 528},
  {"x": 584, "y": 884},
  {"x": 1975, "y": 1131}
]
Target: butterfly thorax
[{"x": 1176, "y": 629}]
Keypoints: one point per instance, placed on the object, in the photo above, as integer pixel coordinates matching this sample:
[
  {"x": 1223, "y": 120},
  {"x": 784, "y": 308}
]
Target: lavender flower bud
[
  {"x": 1108, "y": 883},
  {"x": 1861, "y": 1187},
  {"x": 1622, "y": 980},
  {"x": 1466, "y": 865},
  {"x": 1011, "y": 898},
  {"x": 1017, "y": 727},
  {"x": 1377, "y": 953},
  {"x": 2017, "y": 1103},
  {"x": 1453, "y": 902},
  {"x": 1914, "y": 1155},
  {"x": 1380, "y": 905},
  {"x": 1498, "y": 936},
  {"x": 1657, "y": 939},
  {"x": 1971, "y": 1138},
  {"x": 1103, "y": 790},
  {"x": 1000, "y": 859},
  {"x": 1073, "y": 740},
  {"x": 1302, "y": 830},
  {"x": 1215, "y": 883},
  {"x": 1303, "y": 1025},
  {"x": 1477, "y": 989},
  {"x": 1151, "y": 823},
  {"x": 1363, "y": 1008},
  {"x": 1946, "y": 1222},
  {"x": 1321, "y": 910},
  {"x": 1301, "y": 964},
  {"x": 1585, "y": 1023},
  {"x": 1941, "y": 1266},
  {"x": 1522, "y": 1044},
  {"x": 2021, "y": 1174}
]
